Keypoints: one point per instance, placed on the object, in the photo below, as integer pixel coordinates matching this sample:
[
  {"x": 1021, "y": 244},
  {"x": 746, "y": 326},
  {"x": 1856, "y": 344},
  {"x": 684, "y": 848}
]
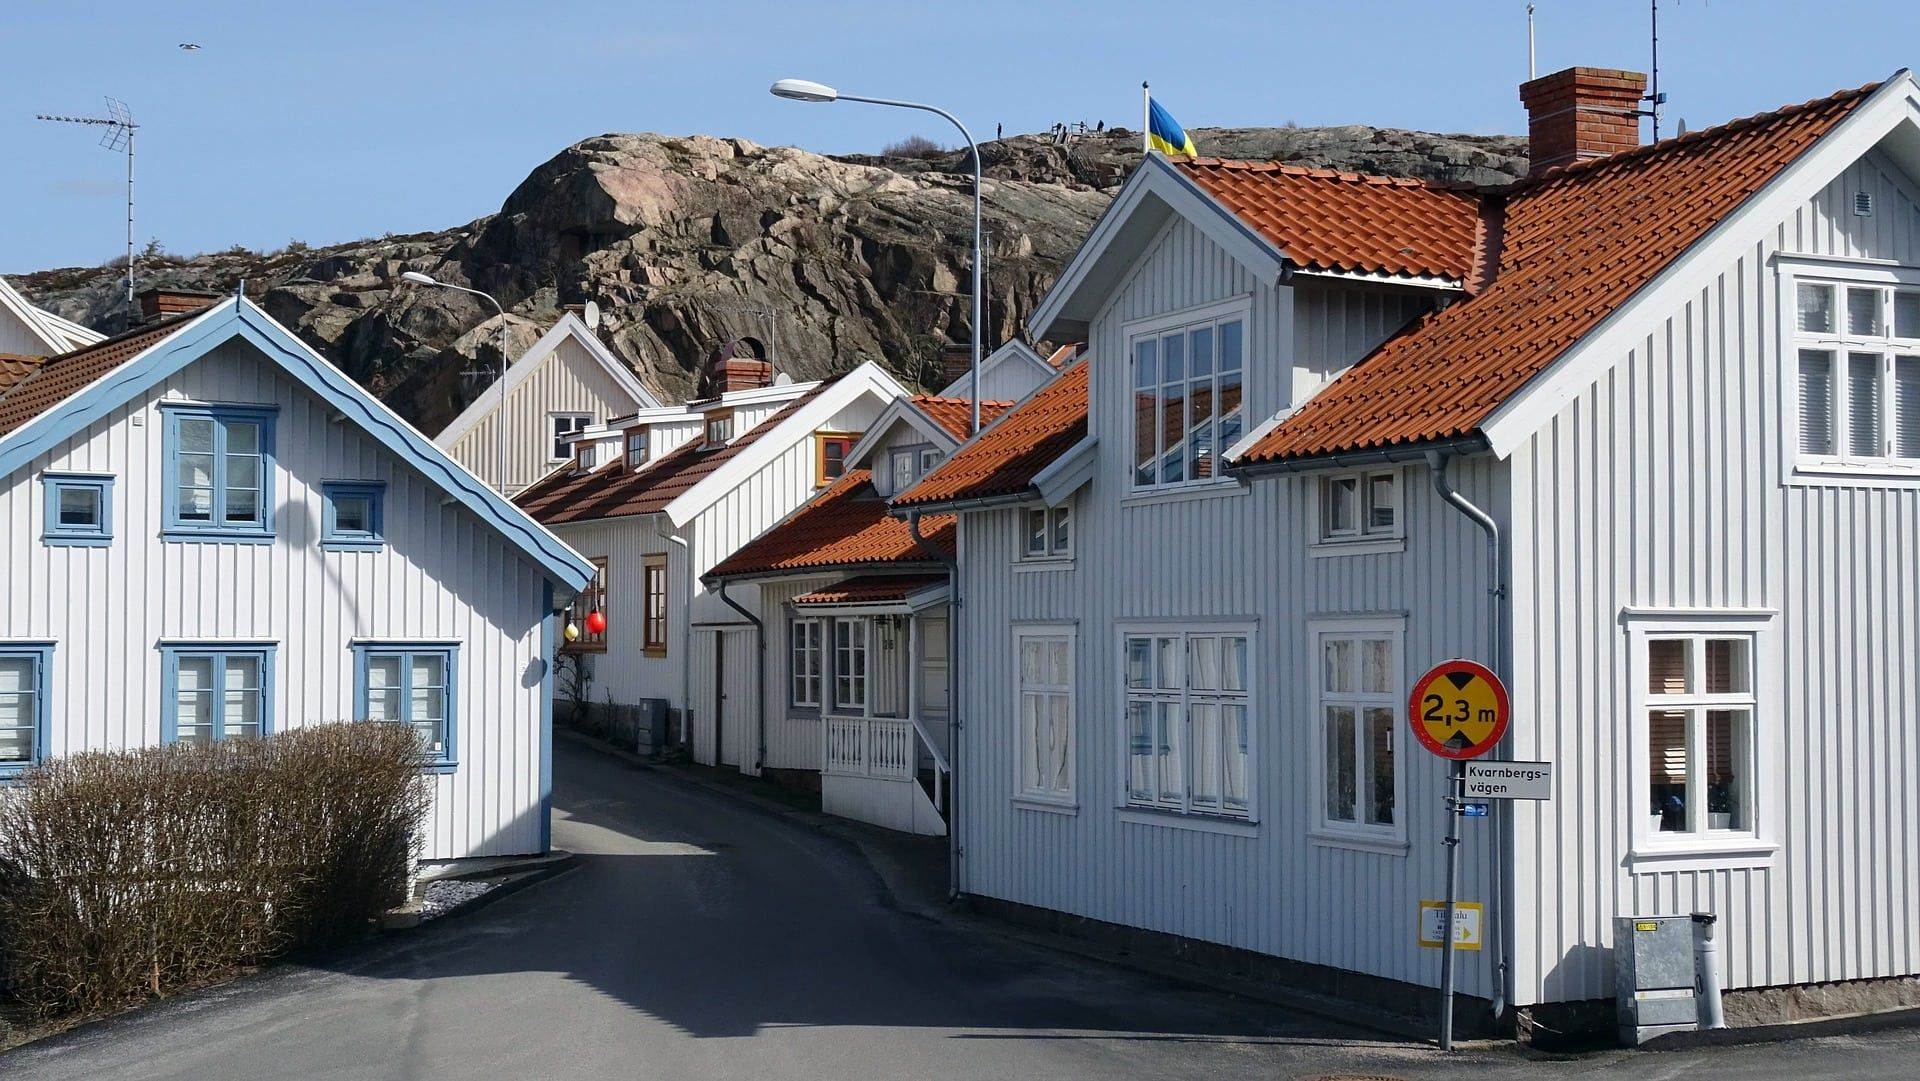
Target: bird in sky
[{"x": 189, "y": 47}]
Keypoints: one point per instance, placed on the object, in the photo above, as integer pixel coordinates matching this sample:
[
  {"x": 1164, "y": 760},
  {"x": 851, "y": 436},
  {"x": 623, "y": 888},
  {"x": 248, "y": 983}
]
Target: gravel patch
[{"x": 444, "y": 897}]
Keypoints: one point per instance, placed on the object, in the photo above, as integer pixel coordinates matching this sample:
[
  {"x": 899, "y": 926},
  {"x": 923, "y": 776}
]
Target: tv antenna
[
  {"x": 118, "y": 137},
  {"x": 1654, "y": 98}
]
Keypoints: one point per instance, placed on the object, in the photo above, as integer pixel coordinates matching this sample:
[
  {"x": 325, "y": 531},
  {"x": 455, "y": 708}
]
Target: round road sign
[{"x": 1459, "y": 709}]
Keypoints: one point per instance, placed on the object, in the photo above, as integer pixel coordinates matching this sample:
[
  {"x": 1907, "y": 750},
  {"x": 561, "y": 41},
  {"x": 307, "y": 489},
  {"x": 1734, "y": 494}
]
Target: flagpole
[{"x": 1146, "y": 119}]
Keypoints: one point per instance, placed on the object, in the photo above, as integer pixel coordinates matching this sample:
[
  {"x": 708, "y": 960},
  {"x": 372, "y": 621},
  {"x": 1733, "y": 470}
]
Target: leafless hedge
[
  {"x": 914, "y": 146},
  {"x": 133, "y": 874}
]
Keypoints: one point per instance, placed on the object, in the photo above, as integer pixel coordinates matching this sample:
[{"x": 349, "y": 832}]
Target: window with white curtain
[
  {"x": 1045, "y": 748},
  {"x": 1187, "y": 410},
  {"x": 1857, "y": 375},
  {"x": 1187, "y": 720},
  {"x": 1360, "y": 700}
]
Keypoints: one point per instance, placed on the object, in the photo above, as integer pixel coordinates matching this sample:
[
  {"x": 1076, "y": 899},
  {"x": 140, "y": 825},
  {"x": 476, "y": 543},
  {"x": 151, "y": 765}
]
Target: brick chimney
[
  {"x": 1581, "y": 113},
  {"x": 956, "y": 361},
  {"x": 160, "y": 301},
  {"x": 734, "y": 367}
]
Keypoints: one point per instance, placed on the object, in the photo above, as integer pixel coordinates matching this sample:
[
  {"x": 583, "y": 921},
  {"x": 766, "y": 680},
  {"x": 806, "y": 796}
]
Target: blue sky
[{"x": 331, "y": 121}]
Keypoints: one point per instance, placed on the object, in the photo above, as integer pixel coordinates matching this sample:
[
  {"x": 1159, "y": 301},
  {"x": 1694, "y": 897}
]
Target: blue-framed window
[
  {"x": 411, "y": 684},
  {"x": 79, "y": 509},
  {"x": 353, "y": 516},
  {"x": 23, "y": 705},
  {"x": 219, "y": 479},
  {"x": 216, "y": 692}
]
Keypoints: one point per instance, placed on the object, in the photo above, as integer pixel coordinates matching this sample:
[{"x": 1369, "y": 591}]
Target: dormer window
[
  {"x": 583, "y": 455},
  {"x": 720, "y": 428},
  {"x": 830, "y": 456},
  {"x": 637, "y": 448},
  {"x": 564, "y": 427},
  {"x": 1187, "y": 376}
]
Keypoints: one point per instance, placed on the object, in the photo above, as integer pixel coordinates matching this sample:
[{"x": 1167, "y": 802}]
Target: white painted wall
[
  {"x": 1662, "y": 486},
  {"x": 569, "y": 380},
  {"x": 442, "y": 575}
]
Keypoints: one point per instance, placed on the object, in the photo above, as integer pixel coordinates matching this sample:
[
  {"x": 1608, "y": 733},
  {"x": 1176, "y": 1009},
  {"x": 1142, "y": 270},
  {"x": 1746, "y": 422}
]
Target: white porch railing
[{"x": 870, "y": 747}]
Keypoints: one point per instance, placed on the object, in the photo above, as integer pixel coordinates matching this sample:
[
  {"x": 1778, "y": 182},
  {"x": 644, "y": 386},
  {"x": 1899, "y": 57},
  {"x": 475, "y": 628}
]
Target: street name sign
[
  {"x": 1508, "y": 780},
  {"x": 1459, "y": 709}
]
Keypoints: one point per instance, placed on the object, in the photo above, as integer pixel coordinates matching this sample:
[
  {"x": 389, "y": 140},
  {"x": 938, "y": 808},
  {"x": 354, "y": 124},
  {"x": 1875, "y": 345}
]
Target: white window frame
[
  {"x": 1389, "y": 839},
  {"x": 578, "y": 422},
  {"x": 1843, "y": 465},
  {"x": 907, "y": 457},
  {"x": 930, "y": 459},
  {"x": 1238, "y": 309},
  {"x": 1036, "y": 798},
  {"x": 1052, "y": 549},
  {"x": 1364, "y": 537},
  {"x": 1711, "y": 849},
  {"x": 806, "y": 662},
  {"x": 1181, "y": 811},
  {"x": 645, "y": 438},
  {"x": 717, "y": 427},
  {"x": 860, "y": 644}
]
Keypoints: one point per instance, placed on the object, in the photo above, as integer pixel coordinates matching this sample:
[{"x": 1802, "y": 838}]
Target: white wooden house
[
  {"x": 1683, "y": 383},
  {"x": 849, "y": 603},
  {"x": 212, "y": 533},
  {"x": 567, "y": 382},
  {"x": 657, "y": 498}
]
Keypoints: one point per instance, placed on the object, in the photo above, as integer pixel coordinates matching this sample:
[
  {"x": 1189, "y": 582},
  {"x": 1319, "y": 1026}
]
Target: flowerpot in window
[{"x": 1719, "y": 821}]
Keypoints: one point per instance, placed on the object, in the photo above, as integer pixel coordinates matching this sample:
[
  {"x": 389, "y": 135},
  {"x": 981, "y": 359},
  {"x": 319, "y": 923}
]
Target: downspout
[
  {"x": 953, "y": 694},
  {"x": 686, "y": 652},
  {"x": 759, "y": 678},
  {"x": 1437, "y": 462}
]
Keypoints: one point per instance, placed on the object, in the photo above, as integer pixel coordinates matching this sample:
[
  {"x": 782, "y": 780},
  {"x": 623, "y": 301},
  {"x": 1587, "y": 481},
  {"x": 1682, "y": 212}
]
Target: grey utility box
[{"x": 1653, "y": 976}]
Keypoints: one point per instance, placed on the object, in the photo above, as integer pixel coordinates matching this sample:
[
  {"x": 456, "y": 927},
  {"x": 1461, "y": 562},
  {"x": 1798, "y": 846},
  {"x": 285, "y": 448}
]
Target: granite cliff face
[{"x": 689, "y": 242}]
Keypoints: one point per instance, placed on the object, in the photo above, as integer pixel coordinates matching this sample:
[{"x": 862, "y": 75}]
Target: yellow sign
[
  {"x": 1466, "y": 924},
  {"x": 1458, "y": 709}
]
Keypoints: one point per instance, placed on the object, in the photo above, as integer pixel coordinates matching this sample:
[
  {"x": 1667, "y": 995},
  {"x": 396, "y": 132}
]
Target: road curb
[{"x": 1852, "y": 1024}]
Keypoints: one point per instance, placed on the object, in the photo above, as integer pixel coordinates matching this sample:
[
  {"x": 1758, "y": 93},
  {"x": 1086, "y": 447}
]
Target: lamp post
[
  {"x": 500, "y": 411},
  {"x": 802, "y": 90}
]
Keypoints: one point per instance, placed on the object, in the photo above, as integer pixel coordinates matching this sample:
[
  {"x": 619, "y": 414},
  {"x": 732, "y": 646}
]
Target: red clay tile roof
[
  {"x": 1348, "y": 221},
  {"x": 614, "y": 491},
  {"x": 956, "y": 414},
  {"x": 872, "y": 589},
  {"x": 1005, "y": 458},
  {"x": 15, "y": 367},
  {"x": 848, "y": 525},
  {"x": 1063, "y": 356},
  {"x": 60, "y": 377},
  {"x": 1578, "y": 243}
]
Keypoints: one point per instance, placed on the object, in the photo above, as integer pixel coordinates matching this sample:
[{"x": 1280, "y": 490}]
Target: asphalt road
[{"x": 705, "y": 938}]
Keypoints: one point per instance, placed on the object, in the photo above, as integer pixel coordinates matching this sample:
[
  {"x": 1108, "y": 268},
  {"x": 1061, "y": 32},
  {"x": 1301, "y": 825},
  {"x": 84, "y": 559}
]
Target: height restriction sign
[{"x": 1459, "y": 709}]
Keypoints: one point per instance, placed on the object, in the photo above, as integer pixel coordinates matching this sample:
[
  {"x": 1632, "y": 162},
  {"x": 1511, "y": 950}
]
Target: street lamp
[
  {"x": 803, "y": 90},
  {"x": 500, "y": 411}
]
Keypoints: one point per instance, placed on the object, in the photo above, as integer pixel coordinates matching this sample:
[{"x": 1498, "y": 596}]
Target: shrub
[
  {"x": 914, "y": 146},
  {"x": 131, "y": 874}
]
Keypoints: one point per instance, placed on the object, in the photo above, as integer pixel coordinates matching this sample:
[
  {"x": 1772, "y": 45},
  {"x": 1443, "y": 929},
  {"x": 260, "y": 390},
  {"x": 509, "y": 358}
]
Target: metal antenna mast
[
  {"x": 1654, "y": 97},
  {"x": 118, "y": 138}
]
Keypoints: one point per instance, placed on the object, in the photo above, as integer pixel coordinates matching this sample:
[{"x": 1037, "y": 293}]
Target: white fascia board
[
  {"x": 1068, "y": 473},
  {"x": 1895, "y": 103},
  {"x": 36, "y": 321},
  {"x": 1412, "y": 281},
  {"x": 77, "y": 336},
  {"x": 569, "y": 326},
  {"x": 782, "y": 392},
  {"x": 900, "y": 410},
  {"x": 1130, "y": 223},
  {"x": 868, "y": 378}
]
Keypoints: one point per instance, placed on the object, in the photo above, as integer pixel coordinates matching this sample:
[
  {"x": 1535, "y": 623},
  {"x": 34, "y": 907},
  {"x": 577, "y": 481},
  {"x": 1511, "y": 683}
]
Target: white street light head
[
  {"x": 418, "y": 278},
  {"x": 802, "y": 90}
]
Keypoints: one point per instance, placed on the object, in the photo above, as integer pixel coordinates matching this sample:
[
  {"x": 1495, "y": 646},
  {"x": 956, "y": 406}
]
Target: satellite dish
[
  {"x": 590, "y": 315},
  {"x": 782, "y": 379}
]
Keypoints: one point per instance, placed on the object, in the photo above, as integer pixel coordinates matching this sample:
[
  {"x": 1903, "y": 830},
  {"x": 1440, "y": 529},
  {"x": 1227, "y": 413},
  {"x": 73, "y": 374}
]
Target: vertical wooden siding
[
  {"x": 1661, "y": 487},
  {"x": 569, "y": 380},
  {"x": 442, "y": 575}
]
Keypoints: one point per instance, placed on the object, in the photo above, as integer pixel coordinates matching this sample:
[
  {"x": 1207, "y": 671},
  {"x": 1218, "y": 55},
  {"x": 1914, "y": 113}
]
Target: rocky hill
[{"x": 688, "y": 242}]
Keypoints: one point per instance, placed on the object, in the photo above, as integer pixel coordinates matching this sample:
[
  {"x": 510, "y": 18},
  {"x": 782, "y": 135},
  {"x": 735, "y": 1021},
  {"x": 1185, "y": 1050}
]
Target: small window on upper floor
[
  {"x": 1857, "y": 376},
  {"x": 1049, "y": 533},
  {"x": 720, "y": 428},
  {"x": 1356, "y": 508},
  {"x": 830, "y": 455},
  {"x": 905, "y": 469},
  {"x": 79, "y": 510},
  {"x": 565, "y": 426},
  {"x": 638, "y": 447},
  {"x": 352, "y": 517}
]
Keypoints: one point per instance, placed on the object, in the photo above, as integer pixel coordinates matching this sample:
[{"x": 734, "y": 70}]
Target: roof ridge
[
  {"x": 1692, "y": 138},
  {"x": 952, "y": 400},
  {"x": 1323, "y": 173}
]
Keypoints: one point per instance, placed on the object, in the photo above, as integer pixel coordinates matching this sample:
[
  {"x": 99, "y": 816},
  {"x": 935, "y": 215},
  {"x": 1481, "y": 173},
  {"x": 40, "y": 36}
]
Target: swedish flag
[{"x": 1165, "y": 134}]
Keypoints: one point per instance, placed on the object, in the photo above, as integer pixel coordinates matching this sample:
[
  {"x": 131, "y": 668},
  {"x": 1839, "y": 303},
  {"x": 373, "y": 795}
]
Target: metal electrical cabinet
[{"x": 1654, "y": 976}]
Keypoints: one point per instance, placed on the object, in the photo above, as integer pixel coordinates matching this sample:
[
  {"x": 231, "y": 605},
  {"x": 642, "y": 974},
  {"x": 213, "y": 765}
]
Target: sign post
[{"x": 1459, "y": 711}]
